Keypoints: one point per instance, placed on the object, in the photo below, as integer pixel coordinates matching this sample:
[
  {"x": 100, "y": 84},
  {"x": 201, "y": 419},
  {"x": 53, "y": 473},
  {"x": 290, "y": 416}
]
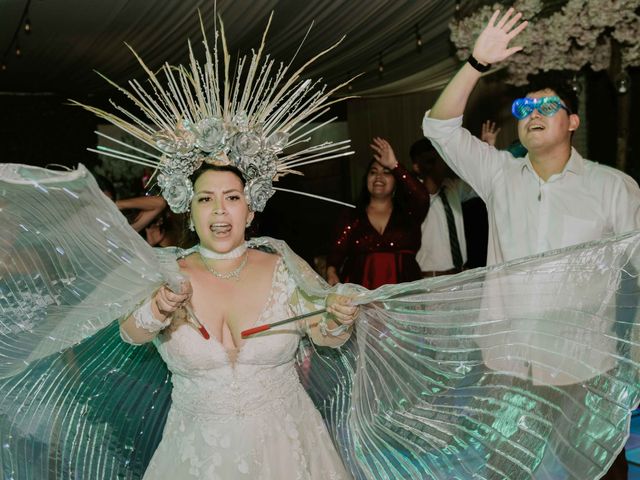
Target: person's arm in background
[
  {"x": 149, "y": 207},
  {"x": 471, "y": 159},
  {"x": 489, "y": 132}
]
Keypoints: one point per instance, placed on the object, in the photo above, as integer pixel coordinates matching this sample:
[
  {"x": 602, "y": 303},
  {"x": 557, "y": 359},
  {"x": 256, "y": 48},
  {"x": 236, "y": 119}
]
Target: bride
[{"x": 238, "y": 408}]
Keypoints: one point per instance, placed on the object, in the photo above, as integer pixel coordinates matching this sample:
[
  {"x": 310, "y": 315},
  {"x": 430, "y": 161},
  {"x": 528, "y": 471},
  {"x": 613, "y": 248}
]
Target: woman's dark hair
[{"x": 365, "y": 197}]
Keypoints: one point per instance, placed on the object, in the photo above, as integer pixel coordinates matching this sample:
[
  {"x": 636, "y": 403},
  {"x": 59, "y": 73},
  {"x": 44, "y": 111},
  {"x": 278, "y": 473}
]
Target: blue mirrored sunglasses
[{"x": 547, "y": 106}]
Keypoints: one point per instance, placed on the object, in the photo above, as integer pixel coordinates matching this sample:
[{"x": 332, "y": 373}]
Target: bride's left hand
[{"x": 342, "y": 309}]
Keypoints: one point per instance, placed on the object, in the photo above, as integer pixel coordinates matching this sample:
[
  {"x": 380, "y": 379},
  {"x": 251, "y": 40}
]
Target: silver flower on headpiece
[
  {"x": 177, "y": 191},
  {"x": 246, "y": 144},
  {"x": 209, "y": 134},
  {"x": 258, "y": 191},
  {"x": 267, "y": 164},
  {"x": 240, "y": 122},
  {"x": 277, "y": 141},
  {"x": 180, "y": 142}
]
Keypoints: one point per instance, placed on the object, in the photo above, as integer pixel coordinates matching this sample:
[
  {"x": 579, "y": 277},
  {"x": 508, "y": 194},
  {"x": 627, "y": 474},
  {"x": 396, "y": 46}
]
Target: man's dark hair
[
  {"x": 420, "y": 147},
  {"x": 559, "y": 83}
]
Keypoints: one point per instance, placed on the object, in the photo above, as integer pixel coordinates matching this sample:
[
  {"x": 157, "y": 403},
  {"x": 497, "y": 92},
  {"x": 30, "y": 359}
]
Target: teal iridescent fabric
[{"x": 522, "y": 370}]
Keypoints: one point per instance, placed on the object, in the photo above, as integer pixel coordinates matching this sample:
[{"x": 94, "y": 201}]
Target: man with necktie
[{"x": 444, "y": 245}]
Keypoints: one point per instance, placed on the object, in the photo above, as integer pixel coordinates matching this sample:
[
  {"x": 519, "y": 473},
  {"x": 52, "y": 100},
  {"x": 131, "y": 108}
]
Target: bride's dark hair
[{"x": 217, "y": 168}]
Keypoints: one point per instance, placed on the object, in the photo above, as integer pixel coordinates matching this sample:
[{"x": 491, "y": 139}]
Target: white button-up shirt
[
  {"x": 435, "y": 251},
  {"x": 586, "y": 201},
  {"x": 548, "y": 324}
]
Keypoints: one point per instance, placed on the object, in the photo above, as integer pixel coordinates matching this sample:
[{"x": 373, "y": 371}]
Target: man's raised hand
[{"x": 492, "y": 45}]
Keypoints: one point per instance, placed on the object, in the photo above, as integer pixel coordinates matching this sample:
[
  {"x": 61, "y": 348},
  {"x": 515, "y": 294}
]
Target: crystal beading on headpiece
[{"x": 247, "y": 121}]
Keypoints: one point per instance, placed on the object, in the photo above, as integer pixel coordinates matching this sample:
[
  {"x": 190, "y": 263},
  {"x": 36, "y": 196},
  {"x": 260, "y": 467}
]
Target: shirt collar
[{"x": 574, "y": 165}]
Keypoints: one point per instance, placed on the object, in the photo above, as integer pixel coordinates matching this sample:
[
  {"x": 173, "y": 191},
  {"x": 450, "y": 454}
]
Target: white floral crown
[{"x": 245, "y": 122}]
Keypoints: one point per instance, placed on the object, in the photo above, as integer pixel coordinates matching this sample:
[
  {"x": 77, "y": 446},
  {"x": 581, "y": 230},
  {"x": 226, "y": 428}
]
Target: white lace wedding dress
[{"x": 247, "y": 419}]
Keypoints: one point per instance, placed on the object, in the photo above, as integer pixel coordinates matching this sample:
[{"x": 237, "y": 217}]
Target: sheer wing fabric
[{"x": 524, "y": 370}]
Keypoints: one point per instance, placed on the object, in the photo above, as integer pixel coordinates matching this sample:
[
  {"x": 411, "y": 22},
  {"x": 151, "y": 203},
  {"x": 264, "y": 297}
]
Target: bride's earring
[{"x": 192, "y": 227}]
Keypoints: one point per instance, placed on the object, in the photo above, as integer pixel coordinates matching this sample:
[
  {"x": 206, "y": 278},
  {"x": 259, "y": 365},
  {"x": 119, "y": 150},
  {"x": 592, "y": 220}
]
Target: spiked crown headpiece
[{"x": 247, "y": 121}]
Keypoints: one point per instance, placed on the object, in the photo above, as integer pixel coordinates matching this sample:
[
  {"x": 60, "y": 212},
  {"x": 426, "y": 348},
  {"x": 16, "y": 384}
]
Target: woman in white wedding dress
[{"x": 238, "y": 408}]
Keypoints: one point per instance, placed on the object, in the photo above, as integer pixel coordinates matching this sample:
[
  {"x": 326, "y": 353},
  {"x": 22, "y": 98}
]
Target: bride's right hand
[{"x": 165, "y": 301}]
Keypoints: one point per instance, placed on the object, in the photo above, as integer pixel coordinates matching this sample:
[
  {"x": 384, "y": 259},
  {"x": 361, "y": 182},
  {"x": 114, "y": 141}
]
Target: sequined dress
[
  {"x": 371, "y": 259},
  {"x": 250, "y": 418}
]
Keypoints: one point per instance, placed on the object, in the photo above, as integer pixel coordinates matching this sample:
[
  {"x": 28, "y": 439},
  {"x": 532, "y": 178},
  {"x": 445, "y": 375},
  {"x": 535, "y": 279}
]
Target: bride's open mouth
[{"x": 220, "y": 228}]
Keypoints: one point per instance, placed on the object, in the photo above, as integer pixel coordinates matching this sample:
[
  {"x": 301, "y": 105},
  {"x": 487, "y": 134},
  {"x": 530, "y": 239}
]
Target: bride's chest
[{"x": 186, "y": 352}]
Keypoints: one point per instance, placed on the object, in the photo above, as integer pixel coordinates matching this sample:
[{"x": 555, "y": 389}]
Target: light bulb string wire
[{"x": 14, "y": 40}]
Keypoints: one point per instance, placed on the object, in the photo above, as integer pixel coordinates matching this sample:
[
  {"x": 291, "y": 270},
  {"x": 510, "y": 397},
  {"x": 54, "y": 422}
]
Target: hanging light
[
  {"x": 3, "y": 67},
  {"x": 576, "y": 86},
  {"x": 418, "y": 39},
  {"x": 18, "y": 51},
  {"x": 623, "y": 82},
  {"x": 27, "y": 26}
]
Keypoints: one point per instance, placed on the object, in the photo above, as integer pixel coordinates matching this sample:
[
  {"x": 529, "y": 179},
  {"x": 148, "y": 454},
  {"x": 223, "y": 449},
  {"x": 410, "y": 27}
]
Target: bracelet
[{"x": 477, "y": 65}]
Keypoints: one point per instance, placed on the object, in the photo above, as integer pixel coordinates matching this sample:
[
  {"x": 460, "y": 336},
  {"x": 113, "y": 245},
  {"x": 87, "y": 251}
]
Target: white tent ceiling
[{"x": 71, "y": 38}]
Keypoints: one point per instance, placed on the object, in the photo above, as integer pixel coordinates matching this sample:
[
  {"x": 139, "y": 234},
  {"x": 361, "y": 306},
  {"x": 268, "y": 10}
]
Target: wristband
[
  {"x": 477, "y": 65},
  {"x": 145, "y": 320},
  {"x": 333, "y": 332}
]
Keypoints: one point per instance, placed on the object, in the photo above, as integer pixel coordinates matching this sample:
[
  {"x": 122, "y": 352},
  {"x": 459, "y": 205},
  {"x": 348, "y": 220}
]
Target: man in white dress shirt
[{"x": 552, "y": 198}]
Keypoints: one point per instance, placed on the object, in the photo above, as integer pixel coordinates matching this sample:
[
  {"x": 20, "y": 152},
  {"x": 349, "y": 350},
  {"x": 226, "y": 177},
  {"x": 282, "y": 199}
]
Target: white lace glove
[{"x": 146, "y": 320}]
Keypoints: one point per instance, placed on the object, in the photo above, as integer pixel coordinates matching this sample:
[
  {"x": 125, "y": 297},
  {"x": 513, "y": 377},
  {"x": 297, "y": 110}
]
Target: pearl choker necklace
[{"x": 235, "y": 253}]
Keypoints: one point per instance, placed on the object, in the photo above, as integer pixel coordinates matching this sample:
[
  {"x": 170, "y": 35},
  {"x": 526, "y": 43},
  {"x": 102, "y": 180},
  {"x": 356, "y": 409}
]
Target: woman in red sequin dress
[{"x": 377, "y": 242}]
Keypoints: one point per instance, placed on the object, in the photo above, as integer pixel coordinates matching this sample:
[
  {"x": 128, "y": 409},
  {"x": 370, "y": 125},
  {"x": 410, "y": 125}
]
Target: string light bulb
[
  {"x": 27, "y": 26},
  {"x": 623, "y": 82},
  {"x": 418, "y": 39},
  {"x": 18, "y": 51},
  {"x": 3, "y": 67},
  {"x": 380, "y": 65},
  {"x": 457, "y": 12}
]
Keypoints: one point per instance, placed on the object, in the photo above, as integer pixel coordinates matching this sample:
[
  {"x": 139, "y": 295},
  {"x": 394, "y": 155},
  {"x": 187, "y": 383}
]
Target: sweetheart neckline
[{"x": 240, "y": 348}]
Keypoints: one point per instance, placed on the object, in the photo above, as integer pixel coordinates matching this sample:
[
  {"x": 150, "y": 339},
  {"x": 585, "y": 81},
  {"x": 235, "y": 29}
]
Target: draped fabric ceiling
[{"x": 71, "y": 38}]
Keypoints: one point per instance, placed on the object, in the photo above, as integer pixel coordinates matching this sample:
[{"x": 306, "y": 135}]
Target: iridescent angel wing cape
[{"x": 523, "y": 370}]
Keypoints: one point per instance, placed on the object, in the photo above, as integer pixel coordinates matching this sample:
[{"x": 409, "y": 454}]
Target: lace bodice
[{"x": 205, "y": 380}]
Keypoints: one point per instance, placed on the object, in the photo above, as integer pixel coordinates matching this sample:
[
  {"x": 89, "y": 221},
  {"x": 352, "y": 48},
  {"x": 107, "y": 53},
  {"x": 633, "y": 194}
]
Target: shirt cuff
[{"x": 440, "y": 129}]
